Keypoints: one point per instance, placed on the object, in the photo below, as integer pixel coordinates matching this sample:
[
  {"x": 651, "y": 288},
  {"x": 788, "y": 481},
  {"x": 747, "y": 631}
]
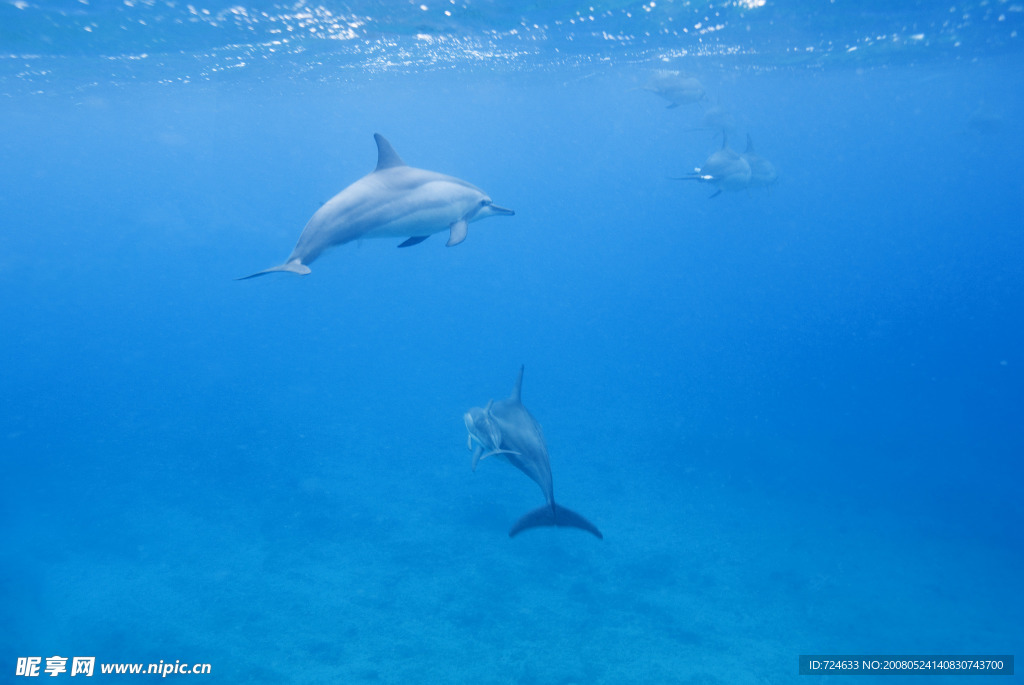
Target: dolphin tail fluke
[
  {"x": 295, "y": 266},
  {"x": 553, "y": 515}
]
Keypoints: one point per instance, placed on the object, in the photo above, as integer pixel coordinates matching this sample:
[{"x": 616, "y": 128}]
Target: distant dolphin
[
  {"x": 986, "y": 121},
  {"x": 725, "y": 169},
  {"x": 392, "y": 201},
  {"x": 717, "y": 119},
  {"x": 676, "y": 87},
  {"x": 507, "y": 429},
  {"x": 762, "y": 172}
]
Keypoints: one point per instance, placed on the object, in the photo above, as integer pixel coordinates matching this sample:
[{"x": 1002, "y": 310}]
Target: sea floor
[{"x": 323, "y": 571}]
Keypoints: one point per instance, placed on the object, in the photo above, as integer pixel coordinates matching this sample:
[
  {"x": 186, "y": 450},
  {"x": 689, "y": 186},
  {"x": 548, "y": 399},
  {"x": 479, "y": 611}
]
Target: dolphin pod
[
  {"x": 399, "y": 201},
  {"x": 392, "y": 201},
  {"x": 725, "y": 169}
]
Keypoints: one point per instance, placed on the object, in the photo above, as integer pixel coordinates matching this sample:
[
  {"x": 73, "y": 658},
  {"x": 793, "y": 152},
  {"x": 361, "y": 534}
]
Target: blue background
[{"x": 796, "y": 413}]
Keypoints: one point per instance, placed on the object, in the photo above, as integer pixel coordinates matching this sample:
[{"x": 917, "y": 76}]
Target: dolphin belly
[
  {"x": 420, "y": 222},
  {"x": 418, "y": 209}
]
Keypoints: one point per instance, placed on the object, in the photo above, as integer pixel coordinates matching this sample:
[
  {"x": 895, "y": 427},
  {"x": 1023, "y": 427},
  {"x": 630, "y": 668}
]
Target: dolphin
[
  {"x": 762, "y": 172},
  {"x": 676, "y": 87},
  {"x": 717, "y": 119},
  {"x": 392, "y": 201},
  {"x": 986, "y": 121},
  {"x": 725, "y": 169},
  {"x": 506, "y": 429}
]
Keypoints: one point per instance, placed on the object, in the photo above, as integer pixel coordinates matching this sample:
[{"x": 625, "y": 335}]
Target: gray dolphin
[
  {"x": 506, "y": 429},
  {"x": 717, "y": 119},
  {"x": 762, "y": 172},
  {"x": 676, "y": 87},
  {"x": 986, "y": 121},
  {"x": 725, "y": 169},
  {"x": 392, "y": 201}
]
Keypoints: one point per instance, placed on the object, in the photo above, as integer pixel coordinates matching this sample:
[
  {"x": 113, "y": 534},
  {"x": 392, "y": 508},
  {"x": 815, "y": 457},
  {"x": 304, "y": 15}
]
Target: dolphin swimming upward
[
  {"x": 392, "y": 201},
  {"x": 506, "y": 429}
]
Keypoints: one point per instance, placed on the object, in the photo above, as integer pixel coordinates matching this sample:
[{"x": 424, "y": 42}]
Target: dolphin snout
[{"x": 501, "y": 211}]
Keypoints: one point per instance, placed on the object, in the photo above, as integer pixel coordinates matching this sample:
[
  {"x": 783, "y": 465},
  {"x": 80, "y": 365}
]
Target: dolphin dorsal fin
[
  {"x": 750, "y": 146},
  {"x": 517, "y": 392},
  {"x": 386, "y": 155}
]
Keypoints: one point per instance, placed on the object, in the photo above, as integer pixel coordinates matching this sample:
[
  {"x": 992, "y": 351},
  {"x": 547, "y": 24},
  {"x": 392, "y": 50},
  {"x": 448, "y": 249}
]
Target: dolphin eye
[{"x": 484, "y": 203}]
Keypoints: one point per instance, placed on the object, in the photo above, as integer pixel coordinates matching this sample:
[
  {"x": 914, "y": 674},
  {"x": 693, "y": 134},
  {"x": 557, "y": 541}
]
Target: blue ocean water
[{"x": 795, "y": 412}]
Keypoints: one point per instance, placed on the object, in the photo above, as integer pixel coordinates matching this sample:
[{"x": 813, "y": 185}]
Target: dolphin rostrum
[
  {"x": 392, "y": 201},
  {"x": 506, "y": 429}
]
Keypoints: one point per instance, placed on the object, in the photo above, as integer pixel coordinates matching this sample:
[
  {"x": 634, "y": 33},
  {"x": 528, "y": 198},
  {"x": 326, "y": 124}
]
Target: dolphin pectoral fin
[
  {"x": 494, "y": 452},
  {"x": 295, "y": 266},
  {"x": 553, "y": 515},
  {"x": 459, "y": 230},
  {"x": 415, "y": 240},
  {"x": 479, "y": 456}
]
